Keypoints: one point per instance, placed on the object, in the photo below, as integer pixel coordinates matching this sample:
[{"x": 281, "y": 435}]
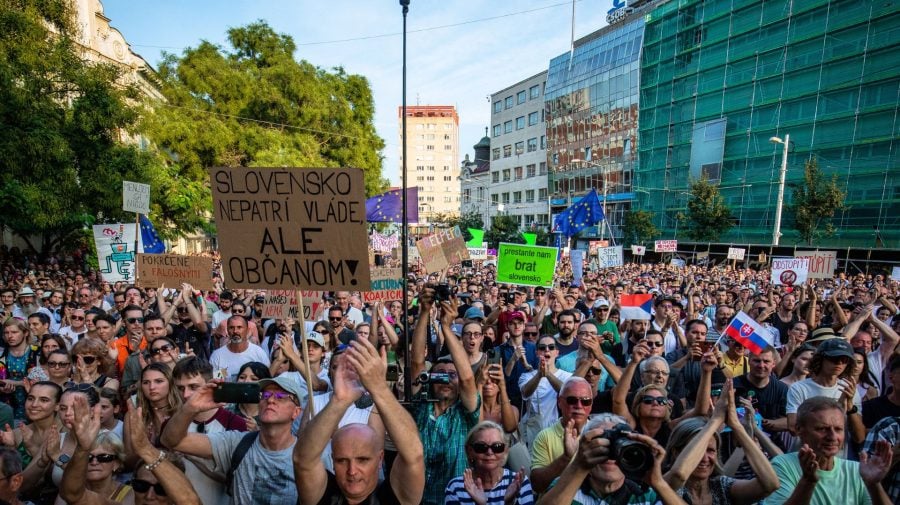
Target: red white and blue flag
[
  {"x": 747, "y": 332},
  {"x": 635, "y": 306}
]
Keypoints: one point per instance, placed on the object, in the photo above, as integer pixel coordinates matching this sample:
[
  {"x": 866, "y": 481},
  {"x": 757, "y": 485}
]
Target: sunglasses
[
  {"x": 88, "y": 360},
  {"x": 134, "y": 320},
  {"x": 162, "y": 349},
  {"x": 660, "y": 400},
  {"x": 546, "y": 347},
  {"x": 335, "y": 318},
  {"x": 531, "y": 333},
  {"x": 101, "y": 458},
  {"x": 76, "y": 318},
  {"x": 58, "y": 364},
  {"x": 602, "y": 309},
  {"x": 483, "y": 448},
  {"x": 595, "y": 370},
  {"x": 142, "y": 486},
  {"x": 574, "y": 400},
  {"x": 278, "y": 395},
  {"x": 654, "y": 344}
]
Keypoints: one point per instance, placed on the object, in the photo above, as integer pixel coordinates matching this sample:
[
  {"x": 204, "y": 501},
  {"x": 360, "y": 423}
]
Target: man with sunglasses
[
  {"x": 265, "y": 474},
  {"x": 77, "y": 328},
  {"x": 131, "y": 343},
  {"x": 540, "y": 388},
  {"x": 554, "y": 447}
]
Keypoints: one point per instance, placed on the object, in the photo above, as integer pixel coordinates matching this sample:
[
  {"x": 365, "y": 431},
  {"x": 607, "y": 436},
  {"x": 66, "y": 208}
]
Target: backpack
[{"x": 237, "y": 456}]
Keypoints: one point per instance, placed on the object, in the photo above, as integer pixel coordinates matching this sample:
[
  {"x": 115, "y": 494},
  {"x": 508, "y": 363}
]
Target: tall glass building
[
  {"x": 591, "y": 109},
  {"x": 719, "y": 78}
]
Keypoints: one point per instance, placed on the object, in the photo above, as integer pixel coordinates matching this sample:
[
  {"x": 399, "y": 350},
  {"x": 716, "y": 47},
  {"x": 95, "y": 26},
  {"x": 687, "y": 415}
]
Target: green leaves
[
  {"x": 708, "y": 217},
  {"x": 815, "y": 202},
  {"x": 638, "y": 228}
]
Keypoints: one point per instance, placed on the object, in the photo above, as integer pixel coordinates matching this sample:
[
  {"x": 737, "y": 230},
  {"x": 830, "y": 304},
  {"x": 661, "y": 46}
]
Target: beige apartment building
[{"x": 432, "y": 145}]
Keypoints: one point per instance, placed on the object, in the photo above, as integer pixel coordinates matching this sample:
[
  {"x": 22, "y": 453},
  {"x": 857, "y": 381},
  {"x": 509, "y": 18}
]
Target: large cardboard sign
[
  {"x": 610, "y": 256},
  {"x": 665, "y": 246},
  {"x": 789, "y": 271},
  {"x": 154, "y": 270},
  {"x": 576, "y": 258},
  {"x": 135, "y": 197},
  {"x": 387, "y": 285},
  {"x": 526, "y": 265},
  {"x": 384, "y": 243},
  {"x": 282, "y": 304},
  {"x": 736, "y": 253},
  {"x": 895, "y": 273},
  {"x": 115, "y": 251},
  {"x": 290, "y": 228},
  {"x": 443, "y": 249},
  {"x": 822, "y": 264}
]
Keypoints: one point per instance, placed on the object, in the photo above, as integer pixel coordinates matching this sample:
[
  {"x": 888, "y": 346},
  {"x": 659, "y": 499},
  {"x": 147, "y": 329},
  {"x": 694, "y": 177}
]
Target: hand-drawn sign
[{"x": 788, "y": 277}]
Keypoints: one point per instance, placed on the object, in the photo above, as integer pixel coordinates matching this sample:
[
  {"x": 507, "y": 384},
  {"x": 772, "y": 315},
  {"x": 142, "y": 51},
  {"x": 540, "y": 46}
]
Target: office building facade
[{"x": 432, "y": 145}]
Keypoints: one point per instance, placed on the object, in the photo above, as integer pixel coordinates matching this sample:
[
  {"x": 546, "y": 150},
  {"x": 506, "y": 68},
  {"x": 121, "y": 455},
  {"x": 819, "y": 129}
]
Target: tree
[
  {"x": 708, "y": 218},
  {"x": 638, "y": 228},
  {"x": 254, "y": 105},
  {"x": 504, "y": 228},
  {"x": 61, "y": 119},
  {"x": 815, "y": 202},
  {"x": 464, "y": 221}
]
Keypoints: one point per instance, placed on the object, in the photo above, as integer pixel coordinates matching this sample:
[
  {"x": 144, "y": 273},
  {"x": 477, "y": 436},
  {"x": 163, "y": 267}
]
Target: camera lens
[{"x": 633, "y": 457}]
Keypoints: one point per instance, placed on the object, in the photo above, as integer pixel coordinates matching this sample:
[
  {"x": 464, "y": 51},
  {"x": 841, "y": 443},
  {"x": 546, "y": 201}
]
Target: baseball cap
[
  {"x": 474, "y": 313},
  {"x": 835, "y": 347},
  {"x": 316, "y": 337},
  {"x": 517, "y": 315},
  {"x": 288, "y": 384},
  {"x": 601, "y": 303}
]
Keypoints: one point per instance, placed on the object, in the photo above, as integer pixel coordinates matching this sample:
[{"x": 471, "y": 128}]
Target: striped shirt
[{"x": 456, "y": 493}]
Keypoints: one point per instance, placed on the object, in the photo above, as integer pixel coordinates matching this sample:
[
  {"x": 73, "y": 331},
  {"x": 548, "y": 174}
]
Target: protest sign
[
  {"x": 895, "y": 274},
  {"x": 822, "y": 264},
  {"x": 789, "y": 271},
  {"x": 135, "y": 197},
  {"x": 478, "y": 253},
  {"x": 387, "y": 285},
  {"x": 526, "y": 265},
  {"x": 154, "y": 270},
  {"x": 595, "y": 245},
  {"x": 115, "y": 251},
  {"x": 442, "y": 249},
  {"x": 576, "y": 257},
  {"x": 638, "y": 250},
  {"x": 282, "y": 304},
  {"x": 665, "y": 246},
  {"x": 736, "y": 253},
  {"x": 289, "y": 228},
  {"x": 384, "y": 243},
  {"x": 610, "y": 256},
  {"x": 701, "y": 258}
]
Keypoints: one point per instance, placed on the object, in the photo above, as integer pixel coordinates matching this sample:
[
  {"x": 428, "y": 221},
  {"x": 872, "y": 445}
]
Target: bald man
[{"x": 357, "y": 450}]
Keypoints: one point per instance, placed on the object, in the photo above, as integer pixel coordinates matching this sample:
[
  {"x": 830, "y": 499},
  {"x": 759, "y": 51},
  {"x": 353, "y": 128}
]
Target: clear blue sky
[{"x": 458, "y": 51}]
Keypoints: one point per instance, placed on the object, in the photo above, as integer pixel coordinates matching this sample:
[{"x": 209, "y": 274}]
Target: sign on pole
[
  {"x": 526, "y": 265},
  {"x": 289, "y": 228},
  {"x": 443, "y": 249},
  {"x": 822, "y": 264},
  {"x": 387, "y": 285},
  {"x": 638, "y": 250},
  {"x": 665, "y": 246},
  {"x": 154, "y": 270},
  {"x": 736, "y": 253},
  {"x": 135, "y": 197},
  {"x": 282, "y": 304},
  {"x": 115, "y": 251},
  {"x": 789, "y": 271},
  {"x": 610, "y": 256}
]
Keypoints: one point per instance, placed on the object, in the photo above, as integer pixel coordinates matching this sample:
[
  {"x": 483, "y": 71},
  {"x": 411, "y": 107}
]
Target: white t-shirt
[
  {"x": 669, "y": 339},
  {"x": 232, "y": 361},
  {"x": 71, "y": 336},
  {"x": 541, "y": 411},
  {"x": 219, "y": 316},
  {"x": 807, "y": 388}
]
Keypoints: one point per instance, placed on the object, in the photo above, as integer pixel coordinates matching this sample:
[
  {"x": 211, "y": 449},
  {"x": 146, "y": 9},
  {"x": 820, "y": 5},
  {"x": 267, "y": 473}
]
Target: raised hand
[
  {"x": 345, "y": 386},
  {"x": 640, "y": 352},
  {"x": 286, "y": 344},
  {"x": 512, "y": 491},
  {"x": 873, "y": 468},
  {"x": 570, "y": 439},
  {"x": 474, "y": 487},
  {"x": 51, "y": 443},
  {"x": 809, "y": 466},
  {"x": 708, "y": 362},
  {"x": 202, "y": 399},
  {"x": 87, "y": 422},
  {"x": 367, "y": 363},
  {"x": 134, "y": 426},
  {"x": 725, "y": 402}
]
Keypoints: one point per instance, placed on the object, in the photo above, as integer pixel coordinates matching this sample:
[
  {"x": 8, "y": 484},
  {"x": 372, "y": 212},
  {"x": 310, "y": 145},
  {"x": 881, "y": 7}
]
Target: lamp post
[{"x": 776, "y": 233}]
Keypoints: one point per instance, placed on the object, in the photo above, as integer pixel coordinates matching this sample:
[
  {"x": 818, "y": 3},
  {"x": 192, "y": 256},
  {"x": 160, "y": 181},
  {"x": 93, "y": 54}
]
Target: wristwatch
[
  {"x": 853, "y": 410},
  {"x": 62, "y": 461}
]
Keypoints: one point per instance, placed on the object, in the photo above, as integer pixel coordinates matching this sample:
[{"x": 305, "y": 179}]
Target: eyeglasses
[
  {"x": 574, "y": 400},
  {"x": 653, "y": 344},
  {"x": 277, "y": 395},
  {"x": 473, "y": 334},
  {"x": 335, "y": 318},
  {"x": 58, "y": 364},
  {"x": 602, "y": 309},
  {"x": 88, "y": 360},
  {"x": 661, "y": 373},
  {"x": 546, "y": 347},
  {"x": 595, "y": 370},
  {"x": 81, "y": 387},
  {"x": 142, "y": 486},
  {"x": 135, "y": 320},
  {"x": 531, "y": 333},
  {"x": 76, "y": 318},
  {"x": 101, "y": 458},
  {"x": 162, "y": 349},
  {"x": 660, "y": 400},
  {"x": 483, "y": 448}
]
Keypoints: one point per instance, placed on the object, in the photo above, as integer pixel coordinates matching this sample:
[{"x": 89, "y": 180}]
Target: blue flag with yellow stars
[
  {"x": 152, "y": 243},
  {"x": 582, "y": 214},
  {"x": 388, "y": 207}
]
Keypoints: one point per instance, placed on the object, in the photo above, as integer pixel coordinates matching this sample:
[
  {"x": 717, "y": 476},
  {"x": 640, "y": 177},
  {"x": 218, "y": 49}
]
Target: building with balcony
[{"x": 432, "y": 144}]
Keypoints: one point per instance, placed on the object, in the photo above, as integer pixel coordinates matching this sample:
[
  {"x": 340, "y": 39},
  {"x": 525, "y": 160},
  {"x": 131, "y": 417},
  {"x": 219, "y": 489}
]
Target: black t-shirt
[
  {"x": 876, "y": 409},
  {"x": 383, "y": 494},
  {"x": 782, "y": 326},
  {"x": 199, "y": 341},
  {"x": 770, "y": 401}
]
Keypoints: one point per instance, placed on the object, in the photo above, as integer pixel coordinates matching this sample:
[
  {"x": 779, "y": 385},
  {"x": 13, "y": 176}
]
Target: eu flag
[
  {"x": 388, "y": 207},
  {"x": 151, "y": 241},
  {"x": 582, "y": 214}
]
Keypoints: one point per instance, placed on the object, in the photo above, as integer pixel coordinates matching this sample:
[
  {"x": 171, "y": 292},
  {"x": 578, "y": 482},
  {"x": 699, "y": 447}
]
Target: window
[
  {"x": 448, "y": 147},
  {"x": 534, "y": 91},
  {"x": 517, "y": 171},
  {"x": 420, "y": 178},
  {"x": 498, "y": 106},
  {"x": 520, "y": 122},
  {"x": 509, "y": 102},
  {"x": 420, "y": 168},
  {"x": 430, "y": 136},
  {"x": 507, "y": 151},
  {"x": 431, "y": 168},
  {"x": 520, "y": 97},
  {"x": 467, "y": 195},
  {"x": 430, "y": 147},
  {"x": 505, "y": 197},
  {"x": 517, "y": 196},
  {"x": 520, "y": 147},
  {"x": 495, "y": 177},
  {"x": 506, "y": 174},
  {"x": 448, "y": 178},
  {"x": 543, "y": 142},
  {"x": 446, "y": 136},
  {"x": 446, "y": 168},
  {"x": 430, "y": 178},
  {"x": 448, "y": 199},
  {"x": 532, "y": 145},
  {"x": 530, "y": 170},
  {"x": 533, "y": 119},
  {"x": 507, "y": 127},
  {"x": 543, "y": 168},
  {"x": 542, "y": 194},
  {"x": 495, "y": 153},
  {"x": 496, "y": 130},
  {"x": 587, "y": 154},
  {"x": 529, "y": 195},
  {"x": 495, "y": 198}
]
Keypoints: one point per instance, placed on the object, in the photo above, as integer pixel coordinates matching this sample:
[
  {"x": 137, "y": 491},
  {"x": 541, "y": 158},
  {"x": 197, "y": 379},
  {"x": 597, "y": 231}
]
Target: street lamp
[{"x": 776, "y": 233}]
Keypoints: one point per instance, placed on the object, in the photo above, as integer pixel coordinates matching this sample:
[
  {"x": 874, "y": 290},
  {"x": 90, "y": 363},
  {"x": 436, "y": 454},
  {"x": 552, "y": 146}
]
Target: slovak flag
[
  {"x": 635, "y": 306},
  {"x": 747, "y": 332}
]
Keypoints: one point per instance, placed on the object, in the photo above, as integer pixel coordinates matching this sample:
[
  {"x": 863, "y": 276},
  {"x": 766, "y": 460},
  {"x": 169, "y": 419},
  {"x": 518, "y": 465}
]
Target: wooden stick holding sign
[{"x": 307, "y": 370}]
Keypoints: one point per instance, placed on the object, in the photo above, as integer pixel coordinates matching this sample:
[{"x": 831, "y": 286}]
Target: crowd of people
[{"x": 486, "y": 394}]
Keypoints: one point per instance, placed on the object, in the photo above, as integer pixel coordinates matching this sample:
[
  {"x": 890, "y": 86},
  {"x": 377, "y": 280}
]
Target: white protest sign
[
  {"x": 610, "y": 256},
  {"x": 736, "y": 253},
  {"x": 115, "y": 251},
  {"x": 665, "y": 246},
  {"x": 789, "y": 271},
  {"x": 135, "y": 197},
  {"x": 638, "y": 250},
  {"x": 478, "y": 253},
  {"x": 895, "y": 274},
  {"x": 822, "y": 264}
]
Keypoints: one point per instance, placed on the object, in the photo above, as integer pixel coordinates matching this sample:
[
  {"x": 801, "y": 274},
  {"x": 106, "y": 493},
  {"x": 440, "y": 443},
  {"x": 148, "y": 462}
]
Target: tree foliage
[
  {"x": 815, "y": 202},
  {"x": 254, "y": 105},
  {"x": 638, "y": 228},
  {"x": 61, "y": 120},
  {"x": 708, "y": 217},
  {"x": 503, "y": 229}
]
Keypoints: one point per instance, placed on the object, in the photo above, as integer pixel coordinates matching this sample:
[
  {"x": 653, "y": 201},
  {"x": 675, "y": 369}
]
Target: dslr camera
[
  {"x": 442, "y": 292},
  {"x": 634, "y": 458}
]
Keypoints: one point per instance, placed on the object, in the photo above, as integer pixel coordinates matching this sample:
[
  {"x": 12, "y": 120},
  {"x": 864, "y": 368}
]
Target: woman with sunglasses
[
  {"x": 163, "y": 350},
  {"x": 92, "y": 363},
  {"x": 486, "y": 481},
  {"x": 57, "y": 369},
  {"x": 49, "y": 343},
  {"x": 157, "y": 397}
]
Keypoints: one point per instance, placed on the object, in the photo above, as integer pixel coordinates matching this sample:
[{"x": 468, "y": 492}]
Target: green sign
[{"x": 526, "y": 265}]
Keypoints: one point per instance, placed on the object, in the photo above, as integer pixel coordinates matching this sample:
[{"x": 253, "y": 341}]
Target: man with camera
[{"x": 595, "y": 474}]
